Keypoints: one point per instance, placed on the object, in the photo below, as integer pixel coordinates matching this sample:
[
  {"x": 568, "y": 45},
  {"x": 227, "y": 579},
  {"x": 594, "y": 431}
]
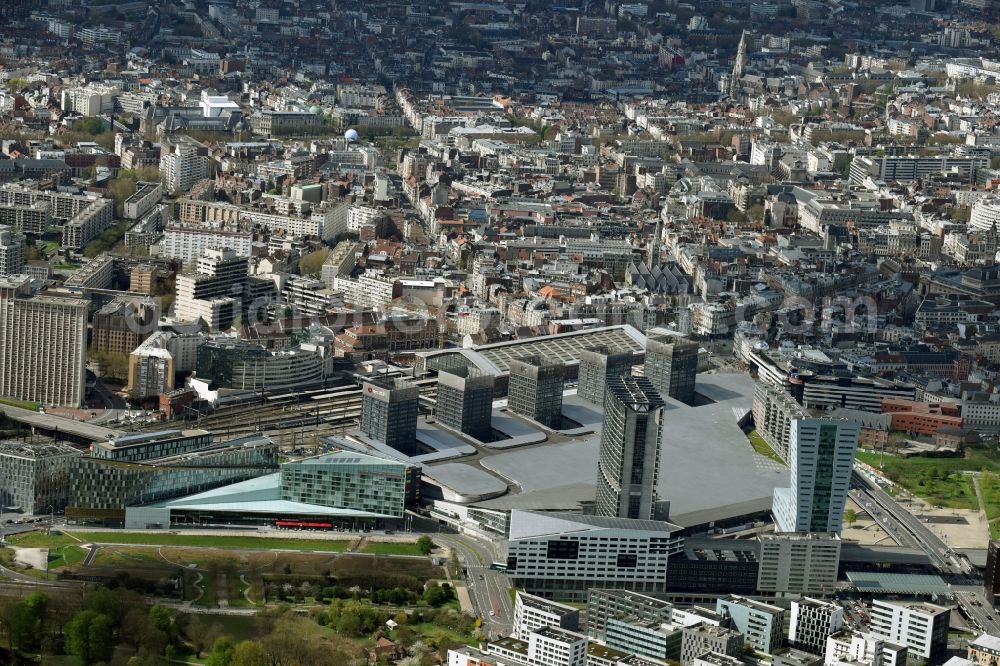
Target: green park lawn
[
  {"x": 391, "y": 548},
  {"x": 762, "y": 447},
  {"x": 941, "y": 481}
]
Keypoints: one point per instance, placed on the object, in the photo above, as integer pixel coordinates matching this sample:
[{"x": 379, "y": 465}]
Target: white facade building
[
  {"x": 821, "y": 458},
  {"x": 921, "y": 627}
]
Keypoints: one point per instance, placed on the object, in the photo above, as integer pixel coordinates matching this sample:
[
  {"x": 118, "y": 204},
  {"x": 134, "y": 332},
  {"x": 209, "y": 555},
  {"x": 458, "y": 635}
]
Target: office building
[
  {"x": 812, "y": 622},
  {"x": 794, "y": 563},
  {"x": 821, "y": 459},
  {"x": 702, "y": 638},
  {"x": 11, "y": 251},
  {"x": 535, "y": 389},
  {"x": 604, "y": 605},
  {"x": 532, "y": 613},
  {"x": 849, "y": 647},
  {"x": 629, "y": 458},
  {"x": 240, "y": 364},
  {"x": 715, "y": 566},
  {"x": 347, "y": 480},
  {"x": 389, "y": 413},
  {"x": 671, "y": 365},
  {"x": 43, "y": 344},
  {"x": 562, "y": 555},
  {"x": 991, "y": 575},
  {"x": 34, "y": 477},
  {"x": 761, "y": 624},
  {"x": 144, "y": 468},
  {"x": 921, "y": 627},
  {"x": 597, "y": 366},
  {"x": 465, "y": 401}
]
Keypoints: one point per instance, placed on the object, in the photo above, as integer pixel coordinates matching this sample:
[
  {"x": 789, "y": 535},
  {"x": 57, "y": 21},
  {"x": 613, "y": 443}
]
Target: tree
[
  {"x": 850, "y": 516},
  {"x": 249, "y": 653},
  {"x": 90, "y": 636},
  {"x": 222, "y": 652},
  {"x": 27, "y": 620},
  {"x": 425, "y": 545}
]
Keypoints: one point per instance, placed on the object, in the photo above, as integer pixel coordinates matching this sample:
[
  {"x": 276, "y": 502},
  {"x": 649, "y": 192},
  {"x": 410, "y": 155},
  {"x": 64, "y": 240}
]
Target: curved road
[{"x": 488, "y": 589}]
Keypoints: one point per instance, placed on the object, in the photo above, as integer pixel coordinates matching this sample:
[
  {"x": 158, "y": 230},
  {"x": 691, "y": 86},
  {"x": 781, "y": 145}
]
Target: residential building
[
  {"x": 645, "y": 638},
  {"x": 11, "y": 251},
  {"x": 629, "y": 458},
  {"x": 277, "y": 123},
  {"x": 548, "y": 646},
  {"x": 465, "y": 401},
  {"x": 187, "y": 242},
  {"x": 535, "y": 390},
  {"x": 604, "y": 605},
  {"x": 143, "y": 200},
  {"x": 793, "y": 563},
  {"x": 597, "y": 366},
  {"x": 34, "y": 477},
  {"x": 389, "y": 413},
  {"x": 821, "y": 459},
  {"x": 562, "y": 555},
  {"x": 812, "y": 622},
  {"x": 703, "y": 638},
  {"x": 43, "y": 344},
  {"x": 849, "y": 647},
  {"x": 716, "y": 659},
  {"x": 122, "y": 325},
  {"x": 921, "y": 627},
  {"x": 984, "y": 650},
  {"x": 761, "y": 624},
  {"x": 183, "y": 163},
  {"x": 671, "y": 365},
  {"x": 532, "y": 613}
]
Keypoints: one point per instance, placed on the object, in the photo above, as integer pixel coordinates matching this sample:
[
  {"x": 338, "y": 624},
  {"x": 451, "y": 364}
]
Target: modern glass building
[
  {"x": 389, "y": 413},
  {"x": 34, "y": 477},
  {"x": 596, "y": 367},
  {"x": 465, "y": 401},
  {"x": 536, "y": 389},
  {"x": 347, "y": 480},
  {"x": 101, "y": 486},
  {"x": 821, "y": 458},
  {"x": 629, "y": 459},
  {"x": 671, "y": 365}
]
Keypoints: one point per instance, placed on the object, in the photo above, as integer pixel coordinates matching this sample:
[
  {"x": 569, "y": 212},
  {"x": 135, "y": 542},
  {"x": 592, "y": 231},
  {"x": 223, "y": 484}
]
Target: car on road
[{"x": 492, "y": 613}]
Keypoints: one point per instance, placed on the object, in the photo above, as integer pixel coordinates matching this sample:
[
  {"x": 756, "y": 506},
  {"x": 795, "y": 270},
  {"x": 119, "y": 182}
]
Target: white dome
[{"x": 351, "y": 135}]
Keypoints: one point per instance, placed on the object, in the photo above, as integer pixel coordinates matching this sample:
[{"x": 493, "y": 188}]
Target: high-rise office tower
[
  {"x": 991, "y": 576},
  {"x": 465, "y": 400},
  {"x": 596, "y": 367},
  {"x": 389, "y": 413},
  {"x": 671, "y": 364},
  {"x": 11, "y": 251},
  {"x": 535, "y": 389},
  {"x": 43, "y": 344},
  {"x": 821, "y": 457},
  {"x": 629, "y": 458}
]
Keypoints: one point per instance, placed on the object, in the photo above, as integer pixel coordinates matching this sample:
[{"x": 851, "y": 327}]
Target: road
[
  {"x": 907, "y": 529},
  {"x": 978, "y": 610},
  {"x": 488, "y": 589}
]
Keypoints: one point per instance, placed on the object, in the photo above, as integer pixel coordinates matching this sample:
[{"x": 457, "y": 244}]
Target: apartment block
[
  {"x": 532, "y": 613},
  {"x": 761, "y": 624},
  {"x": 812, "y": 622},
  {"x": 43, "y": 344},
  {"x": 921, "y": 627}
]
